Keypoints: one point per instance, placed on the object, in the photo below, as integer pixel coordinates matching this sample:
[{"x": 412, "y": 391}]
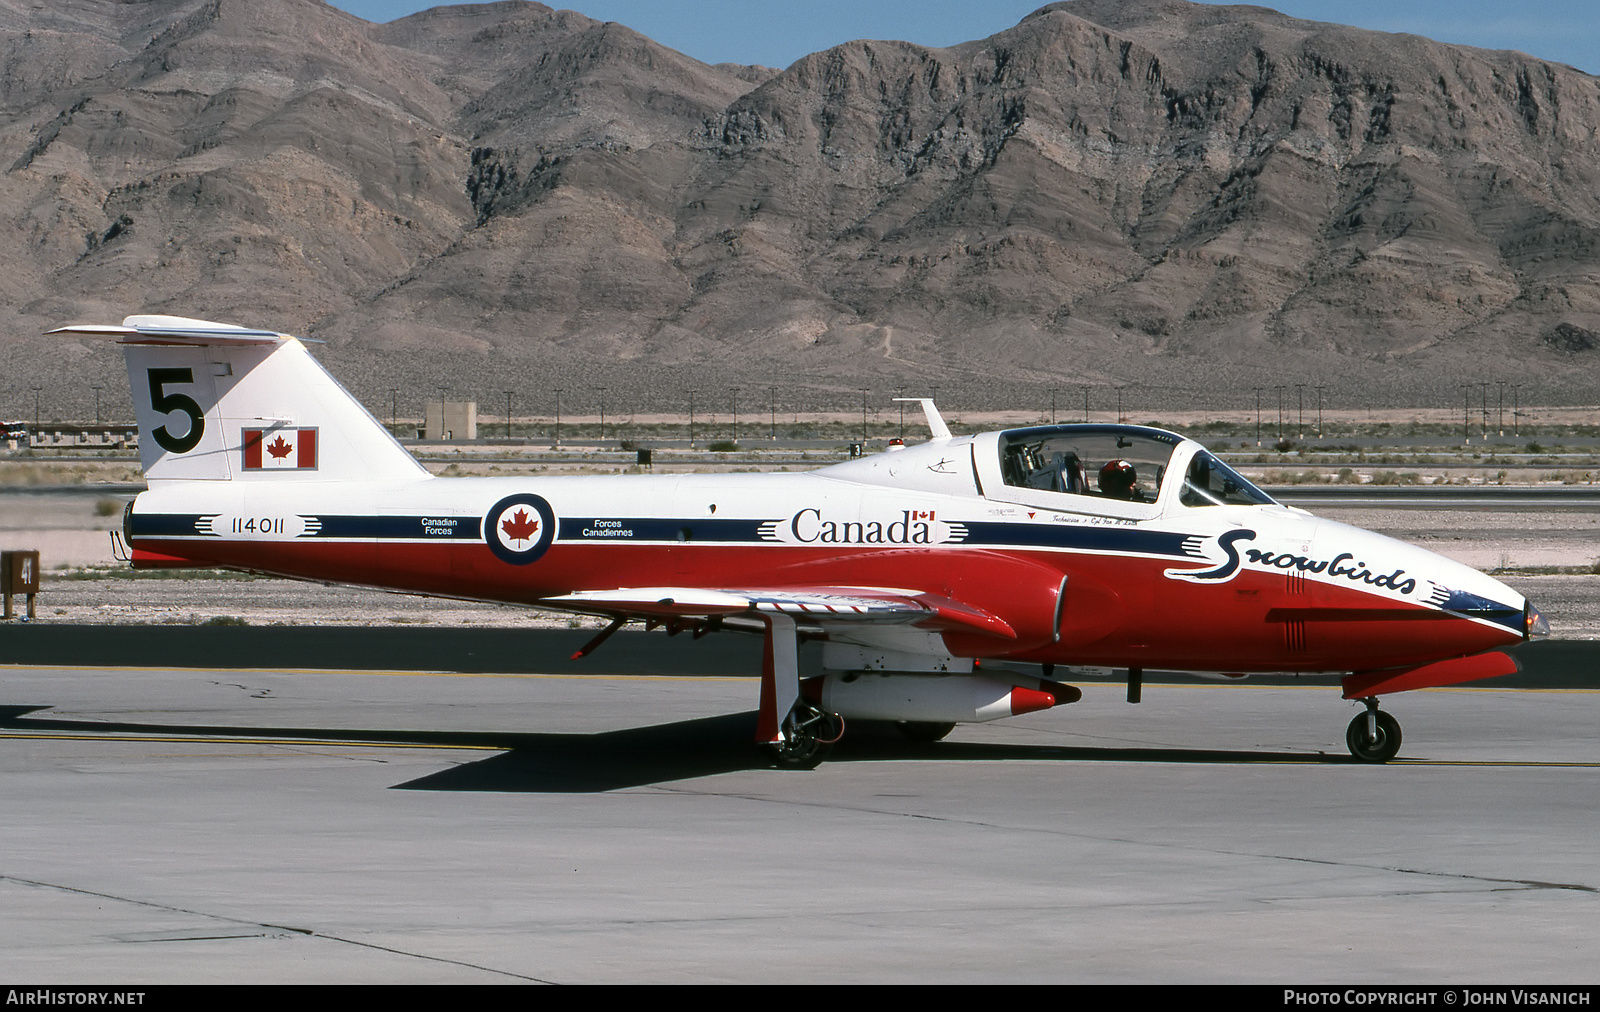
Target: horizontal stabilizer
[{"x": 173, "y": 330}]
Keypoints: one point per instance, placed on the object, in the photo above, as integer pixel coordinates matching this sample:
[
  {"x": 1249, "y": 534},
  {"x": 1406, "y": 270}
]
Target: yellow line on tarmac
[{"x": 1493, "y": 762}]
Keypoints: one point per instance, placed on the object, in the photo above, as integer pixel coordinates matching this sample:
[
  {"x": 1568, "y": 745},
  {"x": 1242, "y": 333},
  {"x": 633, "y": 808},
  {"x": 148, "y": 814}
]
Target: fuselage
[{"x": 1187, "y": 570}]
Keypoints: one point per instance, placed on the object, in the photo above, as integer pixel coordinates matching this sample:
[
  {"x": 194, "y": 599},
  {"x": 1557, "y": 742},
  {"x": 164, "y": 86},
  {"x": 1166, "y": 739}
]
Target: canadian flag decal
[{"x": 280, "y": 449}]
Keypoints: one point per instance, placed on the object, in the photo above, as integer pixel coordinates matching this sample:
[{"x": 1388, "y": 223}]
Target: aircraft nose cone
[{"x": 1434, "y": 581}]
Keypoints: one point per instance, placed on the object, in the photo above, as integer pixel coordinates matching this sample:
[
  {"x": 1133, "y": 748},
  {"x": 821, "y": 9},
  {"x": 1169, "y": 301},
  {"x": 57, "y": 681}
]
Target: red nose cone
[{"x": 1029, "y": 700}]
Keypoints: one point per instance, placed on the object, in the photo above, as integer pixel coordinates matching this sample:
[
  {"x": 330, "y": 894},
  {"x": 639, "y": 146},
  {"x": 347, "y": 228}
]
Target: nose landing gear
[{"x": 1374, "y": 736}]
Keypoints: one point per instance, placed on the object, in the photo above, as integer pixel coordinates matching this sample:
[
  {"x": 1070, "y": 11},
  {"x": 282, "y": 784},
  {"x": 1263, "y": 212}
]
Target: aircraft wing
[{"x": 824, "y": 604}]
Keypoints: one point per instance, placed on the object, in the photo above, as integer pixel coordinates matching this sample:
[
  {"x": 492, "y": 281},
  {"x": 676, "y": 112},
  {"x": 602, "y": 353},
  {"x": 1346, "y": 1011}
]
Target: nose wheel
[{"x": 1374, "y": 736}]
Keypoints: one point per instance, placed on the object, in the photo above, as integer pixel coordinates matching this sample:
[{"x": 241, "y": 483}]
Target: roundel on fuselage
[{"x": 519, "y": 528}]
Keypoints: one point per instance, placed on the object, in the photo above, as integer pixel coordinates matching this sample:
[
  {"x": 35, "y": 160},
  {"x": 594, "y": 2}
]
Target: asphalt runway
[{"x": 198, "y": 825}]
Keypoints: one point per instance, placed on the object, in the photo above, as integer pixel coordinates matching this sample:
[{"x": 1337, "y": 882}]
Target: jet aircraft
[{"x": 939, "y": 577}]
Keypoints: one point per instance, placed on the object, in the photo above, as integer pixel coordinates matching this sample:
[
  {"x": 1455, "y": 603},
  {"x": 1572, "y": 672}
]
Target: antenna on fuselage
[{"x": 936, "y": 423}]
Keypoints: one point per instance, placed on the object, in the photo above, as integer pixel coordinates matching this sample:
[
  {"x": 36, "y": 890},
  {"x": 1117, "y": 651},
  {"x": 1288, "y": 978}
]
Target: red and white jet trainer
[{"x": 923, "y": 571}]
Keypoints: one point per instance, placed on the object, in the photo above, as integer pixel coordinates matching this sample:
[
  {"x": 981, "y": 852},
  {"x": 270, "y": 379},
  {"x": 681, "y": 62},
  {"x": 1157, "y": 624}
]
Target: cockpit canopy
[{"x": 1119, "y": 462}]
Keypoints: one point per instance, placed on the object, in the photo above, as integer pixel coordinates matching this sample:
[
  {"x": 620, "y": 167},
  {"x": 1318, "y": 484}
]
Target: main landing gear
[
  {"x": 1374, "y": 736},
  {"x": 796, "y": 732},
  {"x": 806, "y": 736}
]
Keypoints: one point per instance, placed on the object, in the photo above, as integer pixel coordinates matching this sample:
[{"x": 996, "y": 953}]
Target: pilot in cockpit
[{"x": 1119, "y": 480}]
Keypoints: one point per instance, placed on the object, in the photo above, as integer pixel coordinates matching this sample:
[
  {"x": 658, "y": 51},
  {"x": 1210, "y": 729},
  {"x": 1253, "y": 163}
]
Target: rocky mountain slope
[{"x": 1189, "y": 201}]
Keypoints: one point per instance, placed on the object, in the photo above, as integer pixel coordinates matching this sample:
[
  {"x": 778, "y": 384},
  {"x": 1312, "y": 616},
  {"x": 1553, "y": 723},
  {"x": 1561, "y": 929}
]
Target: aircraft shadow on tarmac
[{"x": 555, "y": 763}]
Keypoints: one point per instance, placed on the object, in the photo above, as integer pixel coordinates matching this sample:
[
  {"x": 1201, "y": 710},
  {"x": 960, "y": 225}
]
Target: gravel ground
[{"x": 226, "y": 598}]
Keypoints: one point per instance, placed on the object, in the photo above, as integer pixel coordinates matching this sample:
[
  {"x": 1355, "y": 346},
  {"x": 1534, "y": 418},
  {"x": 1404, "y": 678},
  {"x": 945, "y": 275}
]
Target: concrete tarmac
[{"x": 232, "y": 826}]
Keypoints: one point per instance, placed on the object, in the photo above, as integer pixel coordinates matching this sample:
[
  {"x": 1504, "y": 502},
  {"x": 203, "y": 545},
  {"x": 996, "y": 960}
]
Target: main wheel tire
[
  {"x": 1387, "y": 745},
  {"x": 804, "y": 754},
  {"x": 924, "y": 732}
]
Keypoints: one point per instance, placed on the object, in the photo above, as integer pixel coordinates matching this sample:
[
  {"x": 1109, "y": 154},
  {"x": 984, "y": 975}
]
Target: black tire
[
  {"x": 924, "y": 732},
  {"x": 806, "y": 754},
  {"x": 811, "y": 734},
  {"x": 1385, "y": 748}
]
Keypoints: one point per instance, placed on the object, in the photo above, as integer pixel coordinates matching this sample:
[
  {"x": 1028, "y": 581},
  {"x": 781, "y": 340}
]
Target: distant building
[
  {"x": 19, "y": 435},
  {"x": 451, "y": 420}
]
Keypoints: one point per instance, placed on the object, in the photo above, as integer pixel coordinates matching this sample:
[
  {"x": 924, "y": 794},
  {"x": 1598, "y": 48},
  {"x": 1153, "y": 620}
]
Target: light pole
[
  {"x": 1258, "y": 417},
  {"x": 508, "y": 415},
  {"x": 772, "y": 402},
  {"x": 733, "y": 396},
  {"x": 96, "y": 404},
  {"x": 394, "y": 401},
  {"x": 36, "y": 406},
  {"x": 557, "y": 445},
  {"x": 602, "y": 413},
  {"x": 691, "y": 419}
]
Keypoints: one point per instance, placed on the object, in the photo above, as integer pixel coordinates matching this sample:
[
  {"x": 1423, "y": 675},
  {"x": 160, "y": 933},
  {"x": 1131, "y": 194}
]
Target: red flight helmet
[{"x": 1117, "y": 478}]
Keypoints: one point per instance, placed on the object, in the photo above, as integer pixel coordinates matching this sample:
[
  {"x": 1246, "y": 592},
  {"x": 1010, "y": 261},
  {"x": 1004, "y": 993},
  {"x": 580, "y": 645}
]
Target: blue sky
[{"x": 778, "y": 33}]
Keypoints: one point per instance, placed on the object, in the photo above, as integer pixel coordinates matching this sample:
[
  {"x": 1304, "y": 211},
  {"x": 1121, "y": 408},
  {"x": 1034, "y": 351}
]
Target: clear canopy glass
[
  {"x": 1122, "y": 462},
  {"x": 1111, "y": 461},
  {"x": 1210, "y": 482}
]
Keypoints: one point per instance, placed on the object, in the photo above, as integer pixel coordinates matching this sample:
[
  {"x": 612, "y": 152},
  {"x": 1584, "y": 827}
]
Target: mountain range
[{"x": 1186, "y": 201}]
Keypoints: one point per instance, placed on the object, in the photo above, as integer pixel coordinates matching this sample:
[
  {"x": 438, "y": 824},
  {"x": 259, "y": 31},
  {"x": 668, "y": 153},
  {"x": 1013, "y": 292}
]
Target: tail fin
[{"x": 226, "y": 403}]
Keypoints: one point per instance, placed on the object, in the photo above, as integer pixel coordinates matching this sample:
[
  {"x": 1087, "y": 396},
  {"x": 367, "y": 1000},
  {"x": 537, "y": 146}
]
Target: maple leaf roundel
[{"x": 519, "y": 528}]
